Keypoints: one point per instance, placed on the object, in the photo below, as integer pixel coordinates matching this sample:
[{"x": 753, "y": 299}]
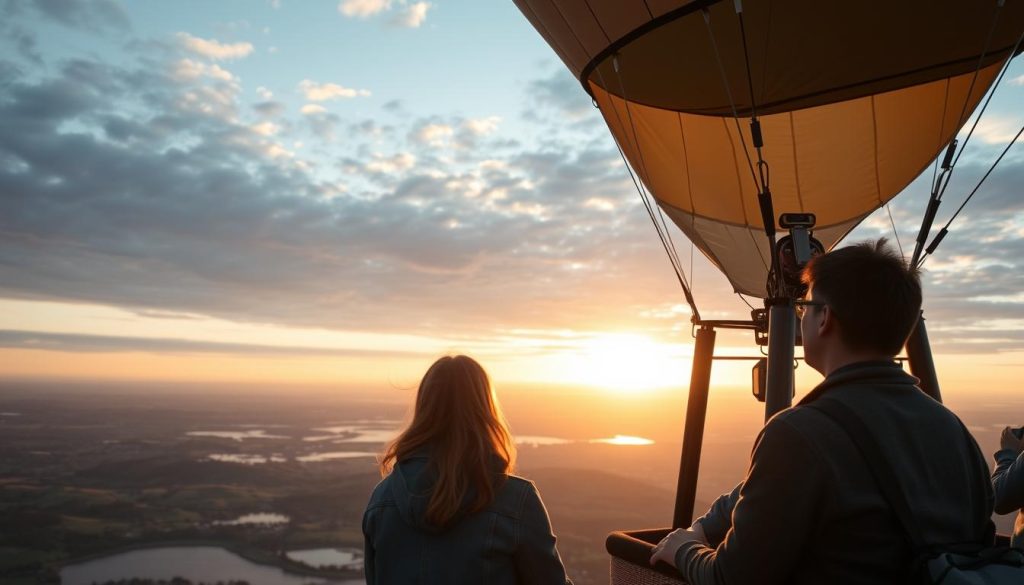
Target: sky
[{"x": 336, "y": 193}]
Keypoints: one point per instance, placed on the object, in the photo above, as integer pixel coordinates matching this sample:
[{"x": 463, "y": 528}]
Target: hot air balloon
[{"x": 741, "y": 119}]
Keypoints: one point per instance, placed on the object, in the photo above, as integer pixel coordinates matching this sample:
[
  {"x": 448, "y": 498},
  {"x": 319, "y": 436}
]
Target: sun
[{"x": 626, "y": 363}]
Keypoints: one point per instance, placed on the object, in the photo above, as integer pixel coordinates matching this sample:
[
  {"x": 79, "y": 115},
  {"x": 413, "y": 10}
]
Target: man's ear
[{"x": 827, "y": 321}]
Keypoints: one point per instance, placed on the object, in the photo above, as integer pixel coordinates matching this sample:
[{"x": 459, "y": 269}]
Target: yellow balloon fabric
[{"x": 855, "y": 100}]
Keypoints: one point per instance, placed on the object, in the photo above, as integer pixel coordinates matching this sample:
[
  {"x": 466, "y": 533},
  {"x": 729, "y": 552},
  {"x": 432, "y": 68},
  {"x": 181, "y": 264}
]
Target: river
[{"x": 195, "y": 563}]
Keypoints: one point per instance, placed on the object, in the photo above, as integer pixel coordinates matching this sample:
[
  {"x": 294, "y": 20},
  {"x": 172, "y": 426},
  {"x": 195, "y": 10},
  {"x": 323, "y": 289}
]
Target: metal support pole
[
  {"x": 693, "y": 433},
  {"x": 781, "y": 339},
  {"x": 919, "y": 354}
]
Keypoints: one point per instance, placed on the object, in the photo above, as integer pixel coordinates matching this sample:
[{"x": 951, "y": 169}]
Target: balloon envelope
[{"x": 855, "y": 100}]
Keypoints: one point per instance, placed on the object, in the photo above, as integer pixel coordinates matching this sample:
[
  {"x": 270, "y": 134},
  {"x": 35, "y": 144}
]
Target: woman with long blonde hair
[{"x": 448, "y": 510}]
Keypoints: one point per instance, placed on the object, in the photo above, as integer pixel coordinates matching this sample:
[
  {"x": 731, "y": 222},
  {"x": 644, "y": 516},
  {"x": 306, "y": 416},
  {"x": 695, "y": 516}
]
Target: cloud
[
  {"x": 363, "y": 8},
  {"x": 482, "y": 126},
  {"x": 1018, "y": 81},
  {"x": 560, "y": 94},
  {"x": 393, "y": 164},
  {"x": 197, "y": 218},
  {"x": 600, "y": 203},
  {"x": 187, "y": 69},
  {"x": 81, "y": 343},
  {"x": 269, "y": 109},
  {"x": 266, "y": 128},
  {"x": 264, "y": 93},
  {"x": 411, "y": 16},
  {"x": 215, "y": 50},
  {"x": 24, "y": 41},
  {"x": 470, "y": 131},
  {"x": 432, "y": 134},
  {"x": 993, "y": 129},
  {"x": 92, "y": 15},
  {"x": 321, "y": 92},
  {"x": 310, "y": 109},
  {"x": 370, "y": 128},
  {"x": 219, "y": 100},
  {"x": 206, "y": 88},
  {"x": 404, "y": 15},
  {"x": 320, "y": 122}
]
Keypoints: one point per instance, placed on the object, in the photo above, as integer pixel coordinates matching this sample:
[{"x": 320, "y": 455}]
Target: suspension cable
[
  {"x": 663, "y": 231},
  {"x": 637, "y": 183},
  {"x": 1002, "y": 72},
  {"x": 895, "y": 233},
  {"x": 672, "y": 244},
  {"x": 981, "y": 58},
  {"x": 754, "y": 123},
  {"x": 945, "y": 107},
  {"x": 728, "y": 94},
  {"x": 739, "y": 130},
  {"x": 745, "y": 301},
  {"x": 945, "y": 229},
  {"x": 940, "y": 184},
  {"x": 693, "y": 277},
  {"x": 764, "y": 196}
]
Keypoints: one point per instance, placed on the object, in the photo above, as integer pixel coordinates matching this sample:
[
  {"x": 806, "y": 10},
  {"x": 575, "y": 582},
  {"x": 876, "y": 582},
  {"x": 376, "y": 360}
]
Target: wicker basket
[
  {"x": 627, "y": 573},
  {"x": 630, "y": 553}
]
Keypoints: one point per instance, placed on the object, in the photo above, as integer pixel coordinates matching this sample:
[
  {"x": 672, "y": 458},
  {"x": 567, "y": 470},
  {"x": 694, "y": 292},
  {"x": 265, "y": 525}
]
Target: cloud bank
[{"x": 154, "y": 184}]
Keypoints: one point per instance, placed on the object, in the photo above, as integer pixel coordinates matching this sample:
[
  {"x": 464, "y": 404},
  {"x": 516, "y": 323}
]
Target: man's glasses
[{"x": 800, "y": 305}]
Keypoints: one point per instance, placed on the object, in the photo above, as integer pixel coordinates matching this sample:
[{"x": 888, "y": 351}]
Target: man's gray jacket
[{"x": 809, "y": 510}]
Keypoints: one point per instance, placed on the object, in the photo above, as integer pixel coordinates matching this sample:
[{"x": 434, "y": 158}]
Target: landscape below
[{"x": 282, "y": 480}]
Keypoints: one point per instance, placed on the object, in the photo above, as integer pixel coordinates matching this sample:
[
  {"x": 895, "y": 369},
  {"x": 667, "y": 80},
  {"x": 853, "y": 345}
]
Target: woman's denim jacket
[{"x": 509, "y": 542}]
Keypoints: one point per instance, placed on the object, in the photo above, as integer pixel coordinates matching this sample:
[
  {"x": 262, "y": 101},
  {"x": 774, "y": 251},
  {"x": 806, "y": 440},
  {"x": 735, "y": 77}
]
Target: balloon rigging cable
[
  {"x": 939, "y": 184},
  {"x": 773, "y": 284},
  {"x": 728, "y": 93},
  {"x": 665, "y": 236},
  {"x": 739, "y": 131},
  {"x": 945, "y": 229},
  {"x": 894, "y": 232},
  {"x": 942, "y": 233}
]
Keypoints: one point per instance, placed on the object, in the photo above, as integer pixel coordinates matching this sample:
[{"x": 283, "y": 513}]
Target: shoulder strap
[
  {"x": 878, "y": 465},
  {"x": 984, "y": 486}
]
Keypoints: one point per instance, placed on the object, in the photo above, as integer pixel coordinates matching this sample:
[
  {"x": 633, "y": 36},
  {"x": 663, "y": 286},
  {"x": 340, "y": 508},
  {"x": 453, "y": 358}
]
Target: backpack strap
[{"x": 882, "y": 472}]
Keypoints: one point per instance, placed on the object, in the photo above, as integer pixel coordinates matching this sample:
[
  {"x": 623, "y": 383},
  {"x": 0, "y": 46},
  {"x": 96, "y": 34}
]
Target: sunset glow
[
  {"x": 625, "y": 440},
  {"x": 622, "y": 363},
  {"x": 259, "y": 213}
]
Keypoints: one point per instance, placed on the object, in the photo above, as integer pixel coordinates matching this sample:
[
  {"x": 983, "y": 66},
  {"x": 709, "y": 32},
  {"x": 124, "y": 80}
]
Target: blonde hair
[{"x": 458, "y": 418}]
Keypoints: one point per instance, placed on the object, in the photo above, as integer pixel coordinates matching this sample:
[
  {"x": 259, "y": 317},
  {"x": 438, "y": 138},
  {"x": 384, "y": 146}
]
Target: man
[
  {"x": 1008, "y": 480},
  {"x": 809, "y": 510}
]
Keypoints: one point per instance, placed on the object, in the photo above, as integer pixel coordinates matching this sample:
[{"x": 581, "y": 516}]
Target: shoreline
[{"x": 250, "y": 553}]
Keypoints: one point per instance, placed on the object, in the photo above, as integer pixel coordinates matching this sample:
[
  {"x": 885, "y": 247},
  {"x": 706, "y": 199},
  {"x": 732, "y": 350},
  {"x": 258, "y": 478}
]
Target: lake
[
  {"x": 329, "y": 456},
  {"x": 326, "y": 557},
  {"x": 237, "y": 435},
  {"x": 356, "y": 434},
  {"x": 260, "y": 518},
  {"x": 196, "y": 563},
  {"x": 246, "y": 459}
]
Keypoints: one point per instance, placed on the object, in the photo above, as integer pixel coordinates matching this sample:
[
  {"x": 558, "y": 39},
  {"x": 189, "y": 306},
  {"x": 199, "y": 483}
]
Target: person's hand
[
  {"x": 698, "y": 531},
  {"x": 667, "y": 548},
  {"x": 1008, "y": 440}
]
